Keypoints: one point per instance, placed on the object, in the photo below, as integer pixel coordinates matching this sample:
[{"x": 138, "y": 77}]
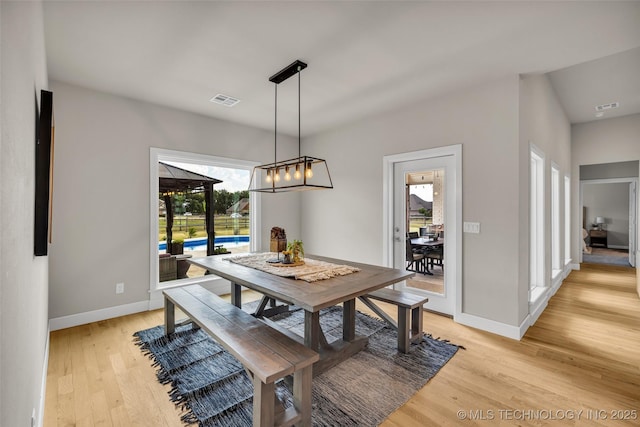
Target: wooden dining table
[
  {"x": 312, "y": 297},
  {"x": 427, "y": 242}
]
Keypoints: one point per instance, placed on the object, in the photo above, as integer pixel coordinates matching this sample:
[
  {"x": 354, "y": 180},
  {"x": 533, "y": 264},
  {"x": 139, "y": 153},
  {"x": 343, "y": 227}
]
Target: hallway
[{"x": 583, "y": 354}]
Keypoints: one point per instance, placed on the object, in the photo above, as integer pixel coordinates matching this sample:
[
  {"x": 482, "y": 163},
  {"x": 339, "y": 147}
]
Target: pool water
[{"x": 200, "y": 243}]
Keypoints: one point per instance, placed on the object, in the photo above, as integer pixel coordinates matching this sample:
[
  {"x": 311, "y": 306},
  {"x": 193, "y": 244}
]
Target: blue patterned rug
[{"x": 214, "y": 390}]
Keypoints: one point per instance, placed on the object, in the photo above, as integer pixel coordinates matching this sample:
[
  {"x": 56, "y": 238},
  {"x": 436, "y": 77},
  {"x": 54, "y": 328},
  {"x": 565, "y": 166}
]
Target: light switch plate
[{"x": 472, "y": 227}]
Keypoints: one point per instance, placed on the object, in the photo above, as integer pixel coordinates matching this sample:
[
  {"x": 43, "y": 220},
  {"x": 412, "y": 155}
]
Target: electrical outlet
[{"x": 119, "y": 288}]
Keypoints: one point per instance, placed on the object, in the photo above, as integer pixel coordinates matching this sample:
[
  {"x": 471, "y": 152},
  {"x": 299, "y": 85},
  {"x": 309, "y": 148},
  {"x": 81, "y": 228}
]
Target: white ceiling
[
  {"x": 364, "y": 57},
  {"x": 614, "y": 78}
]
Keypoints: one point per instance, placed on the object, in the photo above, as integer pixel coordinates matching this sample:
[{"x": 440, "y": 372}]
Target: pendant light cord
[{"x": 299, "y": 138}]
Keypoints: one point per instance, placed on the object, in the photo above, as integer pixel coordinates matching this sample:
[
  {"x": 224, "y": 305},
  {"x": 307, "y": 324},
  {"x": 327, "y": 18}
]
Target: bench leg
[
  {"x": 416, "y": 324},
  {"x": 403, "y": 329},
  {"x": 302, "y": 381},
  {"x": 263, "y": 407},
  {"x": 169, "y": 317},
  {"x": 236, "y": 295}
]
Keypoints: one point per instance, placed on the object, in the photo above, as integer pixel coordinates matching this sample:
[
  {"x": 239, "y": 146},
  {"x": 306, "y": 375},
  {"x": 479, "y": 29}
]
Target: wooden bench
[
  {"x": 266, "y": 354},
  {"x": 409, "y": 325}
]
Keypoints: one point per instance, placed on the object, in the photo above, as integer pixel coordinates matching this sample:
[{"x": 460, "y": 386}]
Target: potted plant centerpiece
[{"x": 296, "y": 248}]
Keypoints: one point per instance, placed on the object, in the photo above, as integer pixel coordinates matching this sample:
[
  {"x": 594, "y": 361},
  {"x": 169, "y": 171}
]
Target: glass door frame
[{"x": 453, "y": 221}]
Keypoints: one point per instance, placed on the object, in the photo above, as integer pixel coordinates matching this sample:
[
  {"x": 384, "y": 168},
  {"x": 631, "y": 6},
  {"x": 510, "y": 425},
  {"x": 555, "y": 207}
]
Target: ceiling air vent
[
  {"x": 225, "y": 100},
  {"x": 604, "y": 107}
]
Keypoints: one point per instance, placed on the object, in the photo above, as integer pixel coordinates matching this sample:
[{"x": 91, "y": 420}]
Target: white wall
[
  {"x": 23, "y": 282},
  {"x": 101, "y": 190},
  {"x": 495, "y": 123},
  {"x": 543, "y": 123},
  {"x": 602, "y": 141},
  {"x": 609, "y": 170},
  {"x": 347, "y": 222}
]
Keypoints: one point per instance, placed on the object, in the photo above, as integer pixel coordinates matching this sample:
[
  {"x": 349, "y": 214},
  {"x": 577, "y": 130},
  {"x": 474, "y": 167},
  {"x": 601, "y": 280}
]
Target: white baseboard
[
  {"x": 43, "y": 387},
  {"x": 538, "y": 308},
  {"x": 575, "y": 266},
  {"x": 97, "y": 315},
  {"x": 556, "y": 282},
  {"x": 510, "y": 331},
  {"x": 618, "y": 247},
  {"x": 556, "y": 278},
  {"x": 489, "y": 325},
  {"x": 567, "y": 270},
  {"x": 215, "y": 284}
]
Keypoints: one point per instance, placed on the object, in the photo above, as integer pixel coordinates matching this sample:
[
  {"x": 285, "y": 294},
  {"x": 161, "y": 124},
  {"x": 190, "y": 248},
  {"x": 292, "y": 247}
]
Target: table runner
[{"x": 312, "y": 270}]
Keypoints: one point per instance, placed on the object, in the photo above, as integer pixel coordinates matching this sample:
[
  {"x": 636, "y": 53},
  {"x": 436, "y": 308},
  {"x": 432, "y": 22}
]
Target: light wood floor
[{"x": 582, "y": 354}]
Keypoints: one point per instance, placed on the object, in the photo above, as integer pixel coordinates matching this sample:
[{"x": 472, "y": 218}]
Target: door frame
[
  {"x": 213, "y": 282},
  {"x": 454, "y": 230},
  {"x": 633, "y": 201}
]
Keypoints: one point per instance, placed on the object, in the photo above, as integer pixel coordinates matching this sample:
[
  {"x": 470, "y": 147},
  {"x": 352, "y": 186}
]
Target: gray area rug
[
  {"x": 214, "y": 390},
  {"x": 605, "y": 259}
]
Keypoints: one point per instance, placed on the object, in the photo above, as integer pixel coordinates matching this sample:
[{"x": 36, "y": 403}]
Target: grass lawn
[
  {"x": 224, "y": 225},
  {"x": 415, "y": 224}
]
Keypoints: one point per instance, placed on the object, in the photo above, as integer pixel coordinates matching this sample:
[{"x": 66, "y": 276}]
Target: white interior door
[{"x": 441, "y": 299}]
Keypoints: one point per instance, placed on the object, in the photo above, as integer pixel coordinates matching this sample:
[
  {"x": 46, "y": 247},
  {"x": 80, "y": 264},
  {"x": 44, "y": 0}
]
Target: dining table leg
[
  {"x": 312, "y": 329},
  {"x": 425, "y": 266},
  {"x": 339, "y": 350},
  {"x": 349, "y": 320}
]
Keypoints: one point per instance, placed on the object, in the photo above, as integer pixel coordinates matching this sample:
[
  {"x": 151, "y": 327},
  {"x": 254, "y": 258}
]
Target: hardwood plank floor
[{"x": 583, "y": 354}]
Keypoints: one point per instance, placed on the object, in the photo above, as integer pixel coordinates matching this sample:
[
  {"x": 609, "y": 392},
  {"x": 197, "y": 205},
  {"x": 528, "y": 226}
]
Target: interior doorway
[
  {"x": 609, "y": 221},
  {"x": 404, "y": 174}
]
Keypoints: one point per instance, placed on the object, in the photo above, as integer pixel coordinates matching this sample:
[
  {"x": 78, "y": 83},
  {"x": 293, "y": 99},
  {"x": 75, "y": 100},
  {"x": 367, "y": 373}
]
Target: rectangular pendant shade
[{"x": 298, "y": 174}]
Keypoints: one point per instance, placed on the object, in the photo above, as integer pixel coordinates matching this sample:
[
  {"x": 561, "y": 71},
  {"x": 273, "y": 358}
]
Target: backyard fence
[{"x": 222, "y": 223}]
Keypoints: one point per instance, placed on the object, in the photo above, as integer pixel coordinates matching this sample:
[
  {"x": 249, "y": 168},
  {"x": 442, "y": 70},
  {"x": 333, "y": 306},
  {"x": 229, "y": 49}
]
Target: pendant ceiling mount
[
  {"x": 298, "y": 174},
  {"x": 289, "y": 71}
]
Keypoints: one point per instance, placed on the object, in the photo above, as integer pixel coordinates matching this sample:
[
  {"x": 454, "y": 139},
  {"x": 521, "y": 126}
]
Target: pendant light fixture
[{"x": 297, "y": 174}]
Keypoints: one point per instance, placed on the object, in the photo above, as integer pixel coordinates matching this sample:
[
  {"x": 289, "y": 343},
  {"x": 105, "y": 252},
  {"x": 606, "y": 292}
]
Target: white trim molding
[
  {"x": 39, "y": 422},
  {"x": 557, "y": 281},
  {"x": 567, "y": 269},
  {"x": 97, "y": 315},
  {"x": 454, "y": 231},
  {"x": 499, "y": 328},
  {"x": 504, "y": 329},
  {"x": 214, "y": 284},
  {"x": 618, "y": 247}
]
